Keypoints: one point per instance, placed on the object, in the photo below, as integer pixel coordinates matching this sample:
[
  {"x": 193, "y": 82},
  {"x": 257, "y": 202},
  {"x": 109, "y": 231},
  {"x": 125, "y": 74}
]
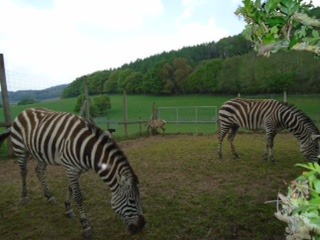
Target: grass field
[
  {"x": 187, "y": 193},
  {"x": 140, "y": 108}
]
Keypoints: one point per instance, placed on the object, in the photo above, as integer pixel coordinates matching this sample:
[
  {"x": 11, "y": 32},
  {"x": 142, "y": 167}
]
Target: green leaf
[
  {"x": 257, "y": 3},
  {"x": 284, "y": 10},
  {"x": 316, "y": 184},
  {"x": 294, "y": 40},
  {"x": 315, "y": 200},
  {"x": 269, "y": 38},
  {"x": 271, "y": 5},
  {"x": 315, "y": 34},
  {"x": 275, "y": 21},
  {"x": 311, "y": 166}
]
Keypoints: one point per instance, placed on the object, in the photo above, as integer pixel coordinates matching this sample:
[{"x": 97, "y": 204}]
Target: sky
[{"x": 50, "y": 42}]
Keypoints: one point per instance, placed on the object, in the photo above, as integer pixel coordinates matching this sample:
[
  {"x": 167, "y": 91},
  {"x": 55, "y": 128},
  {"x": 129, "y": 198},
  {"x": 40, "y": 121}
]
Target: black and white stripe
[
  {"x": 270, "y": 115},
  {"x": 65, "y": 139}
]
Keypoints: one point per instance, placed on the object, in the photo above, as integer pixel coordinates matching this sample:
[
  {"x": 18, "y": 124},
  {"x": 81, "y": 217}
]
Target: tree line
[{"x": 225, "y": 67}]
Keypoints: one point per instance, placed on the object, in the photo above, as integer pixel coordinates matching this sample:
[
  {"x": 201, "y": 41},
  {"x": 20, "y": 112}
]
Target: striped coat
[
  {"x": 65, "y": 139},
  {"x": 269, "y": 115}
]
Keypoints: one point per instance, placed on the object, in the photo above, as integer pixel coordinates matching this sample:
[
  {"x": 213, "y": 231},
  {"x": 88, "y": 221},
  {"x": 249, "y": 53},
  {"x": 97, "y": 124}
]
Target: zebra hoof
[
  {"x": 87, "y": 233},
  {"x": 24, "y": 201},
  {"x": 52, "y": 200},
  {"x": 70, "y": 214}
]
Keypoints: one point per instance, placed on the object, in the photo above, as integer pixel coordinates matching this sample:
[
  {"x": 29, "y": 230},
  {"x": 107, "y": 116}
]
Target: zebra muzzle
[{"x": 136, "y": 228}]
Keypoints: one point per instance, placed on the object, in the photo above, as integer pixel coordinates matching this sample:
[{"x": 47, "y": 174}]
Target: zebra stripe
[
  {"x": 65, "y": 139},
  {"x": 270, "y": 115}
]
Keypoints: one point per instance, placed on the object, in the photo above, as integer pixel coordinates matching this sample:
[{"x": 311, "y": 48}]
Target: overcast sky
[{"x": 51, "y": 42}]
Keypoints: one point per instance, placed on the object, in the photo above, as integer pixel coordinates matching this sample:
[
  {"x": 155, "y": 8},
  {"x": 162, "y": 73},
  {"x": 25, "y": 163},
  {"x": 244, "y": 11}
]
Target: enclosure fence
[{"x": 192, "y": 119}]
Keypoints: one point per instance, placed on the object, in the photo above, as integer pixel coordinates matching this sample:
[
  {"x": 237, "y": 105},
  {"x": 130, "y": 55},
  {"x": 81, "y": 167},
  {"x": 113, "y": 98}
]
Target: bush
[
  {"x": 102, "y": 103},
  {"x": 97, "y": 106},
  {"x": 26, "y": 101}
]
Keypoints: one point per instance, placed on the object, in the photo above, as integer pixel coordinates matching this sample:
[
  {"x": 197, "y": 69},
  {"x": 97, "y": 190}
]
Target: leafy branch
[
  {"x": 280, "y": 24},
  {"x": 300, "y": 208}
]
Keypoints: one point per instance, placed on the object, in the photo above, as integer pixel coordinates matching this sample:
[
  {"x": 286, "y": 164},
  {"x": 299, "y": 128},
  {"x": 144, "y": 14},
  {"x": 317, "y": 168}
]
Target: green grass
[
  {"x": 140, "y": 108},
  {"x": 186, "y": 192}
]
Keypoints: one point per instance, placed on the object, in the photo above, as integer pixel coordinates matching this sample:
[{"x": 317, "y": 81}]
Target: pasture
[
  {"x": 186, "y": 192},
  {"x": 140, "y": 108}
]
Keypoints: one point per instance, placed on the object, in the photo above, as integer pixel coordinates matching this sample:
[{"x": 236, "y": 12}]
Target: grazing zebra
[
  {"x": 270, "y": 115},
  {"x": 64, "y": 139}
]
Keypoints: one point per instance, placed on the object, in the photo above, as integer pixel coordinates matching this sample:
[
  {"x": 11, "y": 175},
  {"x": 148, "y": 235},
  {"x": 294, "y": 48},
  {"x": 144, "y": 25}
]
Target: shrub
[{"x": 26, "y": 101}]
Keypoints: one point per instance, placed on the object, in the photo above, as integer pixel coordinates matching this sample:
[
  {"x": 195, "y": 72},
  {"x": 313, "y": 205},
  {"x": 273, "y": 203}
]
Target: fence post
[
  {"x": 125, "y": 109},
  {"x": 5, "y": 99}
]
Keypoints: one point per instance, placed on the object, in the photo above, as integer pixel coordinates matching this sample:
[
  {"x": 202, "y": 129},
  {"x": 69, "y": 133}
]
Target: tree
[
  {"x": 101, "y": 103},
  {"x": 111, "y": 85},
  {"x": 280, "y": 24},
  {"x": 80, "y": 100},
  {"x": 204, "y": 78},
  {"x": 182, "y": 70},
  {"x": 26, "y": 101},
  {"x": 168, "y": 79}
]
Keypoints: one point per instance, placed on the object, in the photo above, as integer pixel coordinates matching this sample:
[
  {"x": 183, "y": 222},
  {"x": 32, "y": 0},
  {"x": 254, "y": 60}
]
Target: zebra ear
[{"x": 315, "y": 137}]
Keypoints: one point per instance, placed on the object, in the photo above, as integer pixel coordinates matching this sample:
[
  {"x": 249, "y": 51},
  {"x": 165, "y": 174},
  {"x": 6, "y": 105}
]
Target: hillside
[{"x": 48, "y": 93}]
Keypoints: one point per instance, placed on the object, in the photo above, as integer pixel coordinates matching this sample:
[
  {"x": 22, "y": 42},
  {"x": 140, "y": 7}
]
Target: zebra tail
[{"x": 4, "y": 135}]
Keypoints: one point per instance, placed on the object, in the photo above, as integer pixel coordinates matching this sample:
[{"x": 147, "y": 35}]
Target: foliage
[
  {"x": 79, "y": 103},
  {"x": 27, "y": 101},
  {"x": 300, "y": 208},
  {"x": 161, "y": 74},
  {"x": 204, "y": 79},
  {"x": 295, "y": 71},
  {"x": 280, "y": 24},
  {"x": 102, "y": 103}
]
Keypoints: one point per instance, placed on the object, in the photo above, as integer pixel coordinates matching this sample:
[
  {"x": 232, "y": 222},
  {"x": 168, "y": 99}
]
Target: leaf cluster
[
  {"x": 301, "y": 206},
  {"x": 280, "y": 24}
]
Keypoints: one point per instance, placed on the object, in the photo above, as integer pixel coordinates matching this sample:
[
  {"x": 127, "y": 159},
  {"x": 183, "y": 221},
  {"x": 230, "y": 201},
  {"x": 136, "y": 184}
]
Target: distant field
[{"x": 140, "y": 108}]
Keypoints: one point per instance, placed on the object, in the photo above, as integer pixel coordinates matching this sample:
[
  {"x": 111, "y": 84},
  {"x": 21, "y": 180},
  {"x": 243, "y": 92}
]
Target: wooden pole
[
  {"x": 125, "y": 117},
  {"x": 5, "y": 99}
]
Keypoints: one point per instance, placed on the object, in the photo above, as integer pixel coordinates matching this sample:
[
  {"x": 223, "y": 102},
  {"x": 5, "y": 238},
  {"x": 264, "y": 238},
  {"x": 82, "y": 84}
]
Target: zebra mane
[
  {"x": 99, "y": 132},
  {"x": 304, "y": 117}
]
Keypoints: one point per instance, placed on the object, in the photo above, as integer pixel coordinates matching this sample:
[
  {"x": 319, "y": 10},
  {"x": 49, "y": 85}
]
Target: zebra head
[
  {"x": 125, "y": 202},
  {"x": 311, "y": 150}
]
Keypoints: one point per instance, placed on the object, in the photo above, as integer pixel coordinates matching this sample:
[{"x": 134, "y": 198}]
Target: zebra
[
  {"x": 58, "y": 138},
  {"x": 270, "y": 115}
]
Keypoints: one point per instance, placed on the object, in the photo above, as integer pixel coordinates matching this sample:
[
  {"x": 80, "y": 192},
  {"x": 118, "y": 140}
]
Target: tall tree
[{"x": 182, "y": 70}]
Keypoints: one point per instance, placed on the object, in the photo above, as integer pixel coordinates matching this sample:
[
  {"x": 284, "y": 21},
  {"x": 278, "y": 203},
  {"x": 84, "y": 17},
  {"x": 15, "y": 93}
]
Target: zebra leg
[
  {"x": 231, "y": 137},
  {"x": 40, "y": 170},
  {"x": 69, "y": 210},
  {"x": 268, "y": 155},
  {"x": 75, "y": 186},
  {"x": 221, "y": 135},
  {"x": 22, "y": 161}
]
